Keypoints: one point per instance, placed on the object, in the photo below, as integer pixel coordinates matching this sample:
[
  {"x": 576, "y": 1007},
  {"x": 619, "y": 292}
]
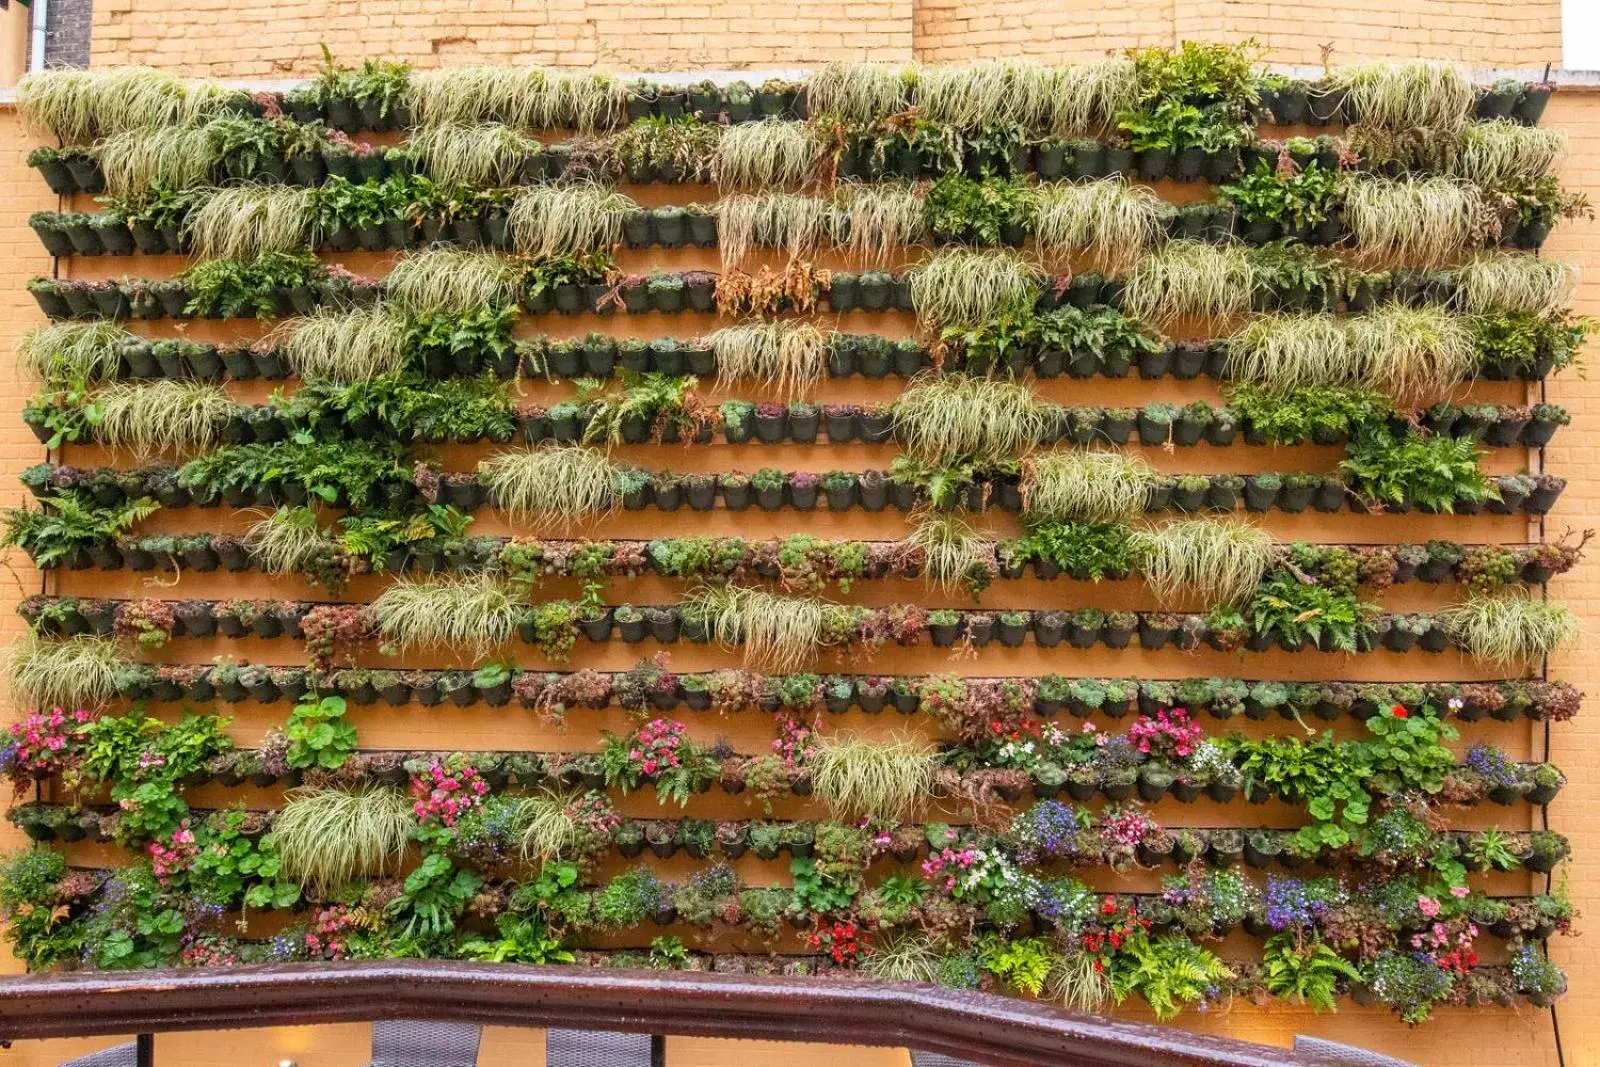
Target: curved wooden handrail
[{"x": 978, "y": 1026}]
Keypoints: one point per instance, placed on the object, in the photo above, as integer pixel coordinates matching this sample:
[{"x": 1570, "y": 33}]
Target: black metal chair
[
  {"x": 938, "y": 1059},
  {"x": 595, "y": 1048},
  {"x": 115, "y": 1056},
  {"x": 1333, "y": 1054},
  {"x": 420, "y": 1043}
]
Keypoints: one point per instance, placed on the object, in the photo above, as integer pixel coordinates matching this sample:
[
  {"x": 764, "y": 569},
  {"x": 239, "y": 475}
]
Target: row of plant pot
[
  {"x": 1260, "y": 849},
  {"x": 108, "y": 233},
  {"x": 691, "y": 558},
  {"x": 741, "y": 422},
  {"x": 848, "y": 355},
  {"x": 650, "y": 685},
  {"x": 1152, "y": 781},
  {"x": 772, "y": 490},
  {"x": 1080, "y": 629},
  {"x": 696, "y": 291},
  {"x": 76, "y": 169}
]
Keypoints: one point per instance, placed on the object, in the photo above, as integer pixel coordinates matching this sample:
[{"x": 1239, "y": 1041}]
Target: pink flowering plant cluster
[
  {"x": 171, "y": 857},
  {"x": 658, "y": 752},
  {"x": 335, "y": 932},
  {"x": 42, "y": 744},
  {"x": 1170, "y": 732},
  {"x": 445, "y": 792}
]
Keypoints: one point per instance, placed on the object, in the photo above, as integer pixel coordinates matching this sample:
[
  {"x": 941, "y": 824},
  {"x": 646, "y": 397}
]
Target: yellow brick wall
[
  {"x": 227, "y": 38},
  {"x": 201, "y": 38}
]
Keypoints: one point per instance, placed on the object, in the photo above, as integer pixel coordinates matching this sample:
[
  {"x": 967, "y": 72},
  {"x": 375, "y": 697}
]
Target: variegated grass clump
[
  {"x": 953, "y": 553},
  {"x": 243, "y": 221},
  {"x": 859, "y": 92},
  {"x": 1414, "y": 353},
  {"x": 962, "y": 287},
  {"x": 1418, "y": 221},
  {"x": 1213, "y": 561},
  {"x": 70, "y": 352},
  {"x": 988, "y": 92},
  {"x": 787, "y": 353},
  {"x": 476, "y": 611},
  {"x": 66, "y": 672},
  {"x": 527, "y": 97},
  {"x": 1111, "y": 219},
  {"x": 1086, "y": 99},
  {"x": 1514, "y": 281},
  {"x": 167, "y": 416},
  {"x": 903, "y": 957},
  {"x": 555, "y": 484},
  {"x": 796, "y": 223},
  {"x": 1416, "y": 93},
  {"x": 567, "y": 219},
  {"x": 1501, "y": 150},
  {"x": 344, "y": 344},
  {"x": 454, "y": 279},
  {"x": 1510, "y": 629},
  {"x": 546, "y": 829},
  {"x": 1290, "y": 351},
  {"x": 1191, "y": 279},
  {"x": 776, "y": 632},
  {"x": 326, "y": 838},
  {"x": 943, "y": 417},
  {"x": 861, "y": 777},
  {"x": 772, "y": 153},
  {"x": 80, "y": 105},
  {"x": 1078, "y": 485},
  {"x": 472, "y": 154},
  {"x": 883, "y": 218},
  {"x": 178, "y": 157},
  {"x": 287, "y": 540}
]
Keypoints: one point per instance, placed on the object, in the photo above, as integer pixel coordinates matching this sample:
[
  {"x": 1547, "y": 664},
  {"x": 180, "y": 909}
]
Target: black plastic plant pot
[
  {"x": 1258, "y": 497},
  {"x": 803, "y": 427},
  {"x": 666, "y": 300},
  {"x": 944, "y": 634},
  {"x": 568, "y": 298},
  {"x": 803, "y": 497},
  {"x": 1154, "y": 163},
  {"x": 1531, "y": 107},
  {"x": 770, "y": 428},
  {"x": 1324, "y": 105},
  {"x": 1011, "y": 634},
  {"x": 597, "y": 630},
  {"x": 1191, "y": 164},
  {"x": 1329, "y": 497},
  {"x": 1153, "y": 431},
  {"x": 1152, "y": 637}
]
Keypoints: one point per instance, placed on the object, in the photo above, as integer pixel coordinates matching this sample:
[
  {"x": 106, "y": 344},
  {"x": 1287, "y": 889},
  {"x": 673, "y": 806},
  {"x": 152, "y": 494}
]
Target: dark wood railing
[{"x": 976, "y": 1026}]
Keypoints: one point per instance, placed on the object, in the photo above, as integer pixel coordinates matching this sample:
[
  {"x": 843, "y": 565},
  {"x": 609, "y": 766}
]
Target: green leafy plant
[
  {"x": 318, "y": 734},
  {"x": 1431, "y": 472},
  {"x": 1304, "y": 971}
]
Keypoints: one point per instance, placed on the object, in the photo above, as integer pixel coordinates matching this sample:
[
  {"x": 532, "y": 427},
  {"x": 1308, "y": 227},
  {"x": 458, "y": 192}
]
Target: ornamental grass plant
[
  {"x": 338, "y": 344},
  {"x": 786, "y": 354},
  {"x": 479, "y": 612},
  {"x": 1084, "y": 486},
  {"x": 325, "y": 838},
  {"x": 150, "y": 418},
  {"x": 1212, "y": 561},
  {"x": 553, "y": 484},
  {"x": 872, "y": 777},
  {"x": 245, "y": 221},
  {"x": 68, "y": 672},
  {"x": 571, "y": 218}
]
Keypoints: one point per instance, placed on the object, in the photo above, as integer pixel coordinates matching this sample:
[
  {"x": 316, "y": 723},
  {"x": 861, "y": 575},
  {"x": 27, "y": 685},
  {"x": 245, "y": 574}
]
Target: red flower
[{"x": 1399, "y": 712}]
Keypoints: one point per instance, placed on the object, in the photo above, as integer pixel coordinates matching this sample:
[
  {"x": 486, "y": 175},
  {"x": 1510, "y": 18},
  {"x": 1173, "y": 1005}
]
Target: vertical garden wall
[{"x": 1066, "y": 530}]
